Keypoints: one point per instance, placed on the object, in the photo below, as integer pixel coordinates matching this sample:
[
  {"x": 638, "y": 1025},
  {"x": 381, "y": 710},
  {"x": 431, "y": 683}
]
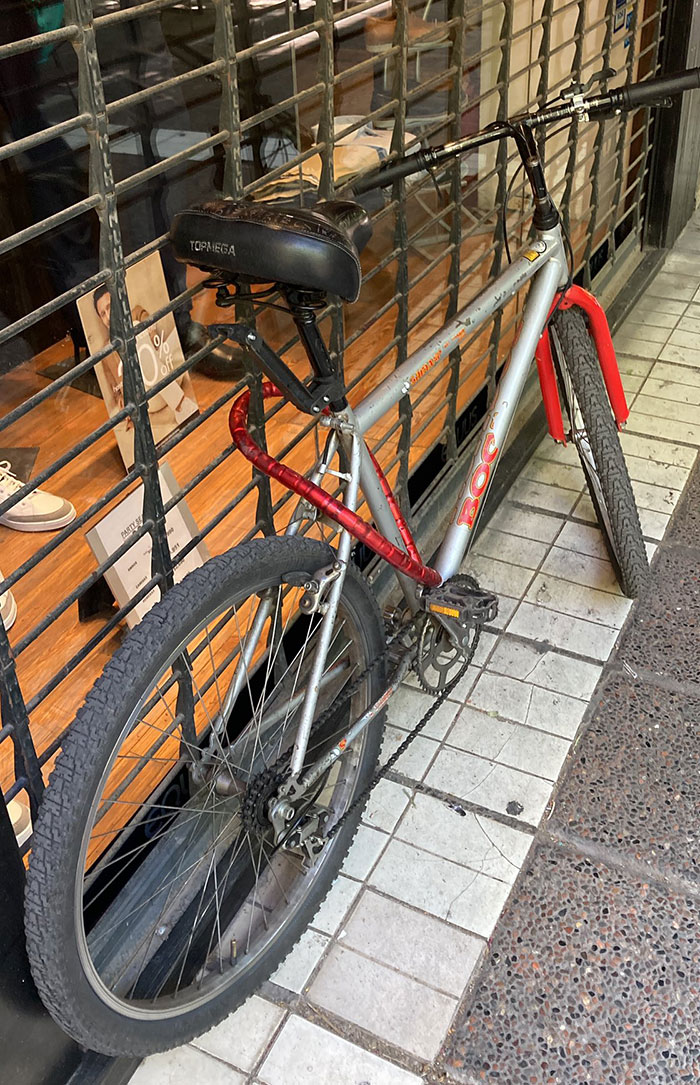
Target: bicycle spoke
[{"x": 184, "y": 887}]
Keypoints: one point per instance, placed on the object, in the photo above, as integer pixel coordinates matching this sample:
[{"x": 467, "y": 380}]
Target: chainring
[{"x": 439, "y": 659}]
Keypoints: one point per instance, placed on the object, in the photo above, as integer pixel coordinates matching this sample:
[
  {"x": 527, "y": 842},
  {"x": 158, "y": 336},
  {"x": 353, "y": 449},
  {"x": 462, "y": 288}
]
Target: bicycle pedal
[{"x": 461, "y": 601}]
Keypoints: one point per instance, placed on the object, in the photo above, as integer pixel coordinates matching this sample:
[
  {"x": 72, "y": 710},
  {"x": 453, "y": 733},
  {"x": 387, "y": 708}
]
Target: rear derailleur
[{"x": 298, "y": 823}]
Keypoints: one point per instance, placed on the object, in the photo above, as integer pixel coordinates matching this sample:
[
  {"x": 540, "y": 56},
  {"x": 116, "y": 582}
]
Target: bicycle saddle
[{"x": 314, "y": 248}]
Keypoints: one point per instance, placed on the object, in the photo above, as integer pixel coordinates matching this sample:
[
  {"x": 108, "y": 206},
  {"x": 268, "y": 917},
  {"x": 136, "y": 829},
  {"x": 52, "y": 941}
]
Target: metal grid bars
[{"x": 129, "y": 111}]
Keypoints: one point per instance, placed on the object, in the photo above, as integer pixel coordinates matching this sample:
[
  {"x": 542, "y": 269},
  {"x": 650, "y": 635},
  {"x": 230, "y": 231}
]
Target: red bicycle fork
[{"x": 605, "y": 350}]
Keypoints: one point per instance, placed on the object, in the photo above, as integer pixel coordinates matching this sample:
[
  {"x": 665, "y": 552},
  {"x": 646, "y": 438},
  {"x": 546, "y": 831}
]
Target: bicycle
[{"x": 214, "y": 778}]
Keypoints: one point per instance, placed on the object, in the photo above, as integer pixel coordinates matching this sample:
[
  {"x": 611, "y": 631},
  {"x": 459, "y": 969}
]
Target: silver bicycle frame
[{"x": 544, "y": 264}]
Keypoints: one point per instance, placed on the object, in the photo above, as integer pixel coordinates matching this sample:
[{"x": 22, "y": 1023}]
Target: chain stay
[{"x": 426, "y": 718}]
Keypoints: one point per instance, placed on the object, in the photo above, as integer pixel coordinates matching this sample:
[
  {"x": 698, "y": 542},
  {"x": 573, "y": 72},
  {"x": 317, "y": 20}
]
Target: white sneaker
[
  {"x": 8, "y": 608},
  {"x": 38, "y": 511},
  {"x": 21, "y": 820}
]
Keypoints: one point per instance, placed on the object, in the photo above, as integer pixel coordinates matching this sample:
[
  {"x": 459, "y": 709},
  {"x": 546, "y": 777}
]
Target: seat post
[{"x": 303, "y": 305}]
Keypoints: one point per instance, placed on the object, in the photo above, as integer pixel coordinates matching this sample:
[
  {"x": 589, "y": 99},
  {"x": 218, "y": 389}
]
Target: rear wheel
[
  {"x": 594, "y": 432},
  {"x": 159, "y": 893}
]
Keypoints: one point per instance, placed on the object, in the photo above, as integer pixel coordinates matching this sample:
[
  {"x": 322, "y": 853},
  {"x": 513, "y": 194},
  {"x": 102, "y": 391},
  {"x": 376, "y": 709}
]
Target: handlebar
[
  {"x": 653, "y": 90},
  {"x": 648, "y": 93}
]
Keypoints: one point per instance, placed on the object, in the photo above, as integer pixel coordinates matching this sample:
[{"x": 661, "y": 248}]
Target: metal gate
[{"x": 124, "y": 111}]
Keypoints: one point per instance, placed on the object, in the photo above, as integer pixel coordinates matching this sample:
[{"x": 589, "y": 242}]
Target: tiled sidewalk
[{"x": 374, "y": 992}]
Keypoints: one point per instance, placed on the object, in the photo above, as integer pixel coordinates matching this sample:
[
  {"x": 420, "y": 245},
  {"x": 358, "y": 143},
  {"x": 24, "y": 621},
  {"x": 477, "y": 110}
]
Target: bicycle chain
[
  {"x": 426, "y": 718},
  {"x": 280, "y": 768},
  {"x": 349, "y": 693}
]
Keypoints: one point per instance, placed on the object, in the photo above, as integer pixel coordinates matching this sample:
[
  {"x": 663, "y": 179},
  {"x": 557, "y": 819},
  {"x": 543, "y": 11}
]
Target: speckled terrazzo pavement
[
  {"x": 592, "y": 977},
  {"x": 593, "y": 973}
]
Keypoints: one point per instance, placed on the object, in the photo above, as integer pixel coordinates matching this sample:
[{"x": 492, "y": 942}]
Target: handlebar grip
[
  {"x": 653, "y": 89},
  {"x": 413, "y": 163}
]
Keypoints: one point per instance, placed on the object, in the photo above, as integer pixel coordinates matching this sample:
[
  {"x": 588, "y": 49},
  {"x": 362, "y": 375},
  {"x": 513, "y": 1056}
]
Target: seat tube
[{"x": 498, "y": 420}]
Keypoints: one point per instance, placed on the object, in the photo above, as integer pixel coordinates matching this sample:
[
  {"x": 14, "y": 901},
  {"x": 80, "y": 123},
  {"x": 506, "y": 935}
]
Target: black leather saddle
[{"x": 314, "y": 248}]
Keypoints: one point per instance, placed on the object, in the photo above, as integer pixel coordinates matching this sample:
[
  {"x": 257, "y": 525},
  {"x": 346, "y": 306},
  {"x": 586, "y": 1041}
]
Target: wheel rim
[
  {"x": 579, "y": 435},
  {"x": 180, "y": 890}
]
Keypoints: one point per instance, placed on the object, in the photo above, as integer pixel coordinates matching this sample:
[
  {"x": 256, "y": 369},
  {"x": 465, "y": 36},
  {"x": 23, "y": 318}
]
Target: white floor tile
[
  {"x": 509, "y": 548},
  {"x": 683, "y": 339},
  {"x": 364, "y": 852},
  {"x": 647, "y": 317},
  {"x": 241, "y": 1038},
  {"x": 584, "y": 509},
  {"x": 556, "y": 712},
  {"x": 583, "y": 539},
  {"x": 525, "y": 522},
  {"x": 535, "y": 495},
  {"x": 670, "y": 375},
  {"x": 646, "y": 332},
  {"x": 580, "y": 602},
  {"x": 185, "y": 1066},
  {"x": 506, "y": 609},
  {"x": 689, "y": 323},
  {"x": 558, "y": 453},
  {"x": 563, "y": 475},
  {"x": 510, "y": 743},
  {"x": 661, "y": 451},
  {"x": 580, "y": 568},
  {"x": 667, "y": 285},
  {"x": 631, "y": 385},
  {"x": 653, "y": 305},
  {"x": 515, "y": 658},
  {"x": 484, "y": 845},
  {"x": 418, "y": 945},
  {"x": 408, "y": 705},
  {"x": 563, "y": 631},
  {"x": 552, "y": 671},
  {"x": 666, "y": 408},
  {"x": 638, "y": 367},
  {"x": 386, "y": 804},
  {"x": 683, "y": 355},
  {"x": 415, "y": 760},
  {"x": 637, "y": 348},
  {"x": 491, "y": 785},
  {"x": 295, "y": 970},
  {"x": 655, "y": 498},
  {"x": 447, "y": 890},
  {"x": 673, "y": 391},
  {"x": 485, "y": 647},
  {"x": 385, "y": 1002},
  {"x": 496, "y": 693},
  {"x": 682, "y": 263},
  {"x": 337, "y": 904},
  {"x": 498, "y": 576},
  {"x": 665, "y": 428},
  {"x": 654, "y": 524},
  {"x": 305, "y": 1054},
  {"x": 658, "y": 474}
]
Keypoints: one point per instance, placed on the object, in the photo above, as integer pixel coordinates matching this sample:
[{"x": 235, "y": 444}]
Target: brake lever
[{"x": 578, "y": 90}]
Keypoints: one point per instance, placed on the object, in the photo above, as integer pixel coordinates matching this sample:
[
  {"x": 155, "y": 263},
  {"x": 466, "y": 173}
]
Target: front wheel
[
  {"x": 159, "y": 893},
  {"x": 594, "y": 432}
]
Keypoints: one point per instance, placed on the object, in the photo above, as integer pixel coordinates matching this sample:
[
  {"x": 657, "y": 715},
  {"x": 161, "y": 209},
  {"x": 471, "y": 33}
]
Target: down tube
[{"x": 495, "y": 429}]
